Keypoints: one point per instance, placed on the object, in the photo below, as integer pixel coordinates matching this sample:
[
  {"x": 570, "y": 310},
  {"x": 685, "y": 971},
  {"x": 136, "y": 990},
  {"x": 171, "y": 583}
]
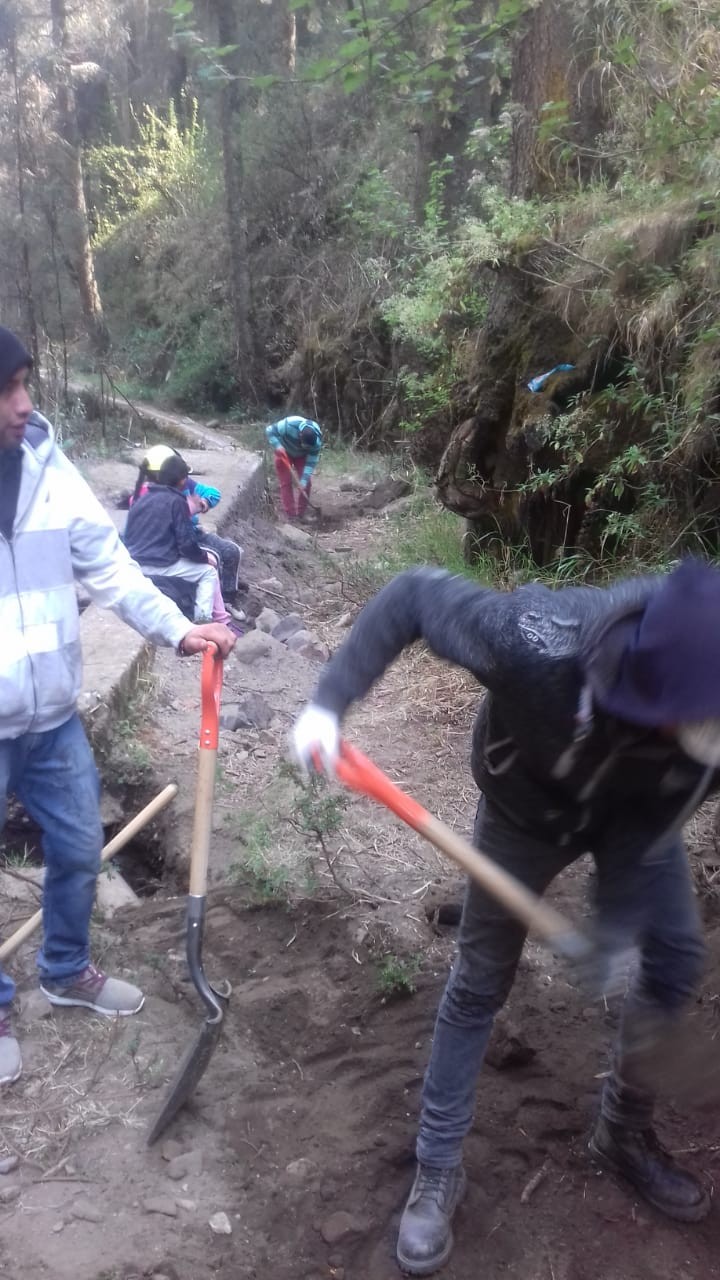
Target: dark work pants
[
  {"x": 229, "y": 555},
  {"x": 649, "y": 904}
]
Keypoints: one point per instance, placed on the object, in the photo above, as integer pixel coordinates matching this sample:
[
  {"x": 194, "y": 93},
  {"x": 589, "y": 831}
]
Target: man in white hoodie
[{"x": 53, "y": 532}]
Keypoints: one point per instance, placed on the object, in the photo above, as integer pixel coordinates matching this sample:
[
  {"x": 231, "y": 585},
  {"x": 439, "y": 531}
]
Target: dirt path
[{"x": 303, "y": 1127}]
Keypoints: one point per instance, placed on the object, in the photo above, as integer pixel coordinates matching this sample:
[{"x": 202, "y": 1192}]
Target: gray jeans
[
  {"x": 651, "y": 904},
  {"x": 203, "y": 577},
  {"x": 229, "y": 555}
]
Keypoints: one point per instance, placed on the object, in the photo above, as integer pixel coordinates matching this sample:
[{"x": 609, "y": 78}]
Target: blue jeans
[
  {"x": 53, "y": 774},
  {"x": 649, "y": 903}
]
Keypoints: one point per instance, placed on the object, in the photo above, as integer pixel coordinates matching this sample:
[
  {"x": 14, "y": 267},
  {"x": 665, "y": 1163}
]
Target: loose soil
[{"x": 306, "y": 1116}]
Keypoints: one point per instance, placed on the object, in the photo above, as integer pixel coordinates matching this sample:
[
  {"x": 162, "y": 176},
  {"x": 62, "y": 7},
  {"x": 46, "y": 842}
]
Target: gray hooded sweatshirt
[{"x": 61, "y": 535}]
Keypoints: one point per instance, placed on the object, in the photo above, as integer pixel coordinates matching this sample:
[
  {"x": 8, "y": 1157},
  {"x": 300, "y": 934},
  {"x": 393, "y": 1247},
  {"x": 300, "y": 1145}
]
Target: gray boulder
[
  {"x": 287, "y": 627},
  {"x": 308, "y": 645},
  {"x": 296, "y": 537},
  {"x": 251, "y": 712},
  {"x": 256, "y": 644},
  {"x": 267, "y": 620}
]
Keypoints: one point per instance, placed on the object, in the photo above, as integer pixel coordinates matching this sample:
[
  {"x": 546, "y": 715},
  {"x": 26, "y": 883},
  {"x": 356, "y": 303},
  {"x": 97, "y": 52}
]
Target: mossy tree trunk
[
  {"x": 231, "y": 107},
  {"x": 80, "y": 259},
  {"x": 501, "y": 440},
  {"x": 27, "y": 289},
  {"x": 559, "y": 100},
  {"x": 504, "y": 437}
]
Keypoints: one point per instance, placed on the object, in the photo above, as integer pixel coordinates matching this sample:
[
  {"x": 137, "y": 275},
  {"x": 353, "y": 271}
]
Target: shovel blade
[{"x": 190, "y": 1071}]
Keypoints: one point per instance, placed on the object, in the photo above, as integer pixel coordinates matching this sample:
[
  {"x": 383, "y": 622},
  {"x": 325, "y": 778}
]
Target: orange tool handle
[
  {"x": 211, "y": 680},
  {"x": 360, "y": 774}
]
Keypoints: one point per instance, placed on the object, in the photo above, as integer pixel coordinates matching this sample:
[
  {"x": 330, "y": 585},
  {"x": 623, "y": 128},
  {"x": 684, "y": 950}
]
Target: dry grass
[
  {"x": 63, "y": 1096},
  {"x": 591, "y": 281},
  {"x": 703, "y": 842}
]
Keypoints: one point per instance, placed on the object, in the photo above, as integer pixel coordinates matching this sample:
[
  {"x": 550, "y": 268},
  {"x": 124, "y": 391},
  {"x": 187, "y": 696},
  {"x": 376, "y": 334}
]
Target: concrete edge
[
  {"x": 187, "y": 433},
  {"x": 114, "y": 660},
  {"x": 170, "y": 423},
  {"x": 248, "y": 499}
]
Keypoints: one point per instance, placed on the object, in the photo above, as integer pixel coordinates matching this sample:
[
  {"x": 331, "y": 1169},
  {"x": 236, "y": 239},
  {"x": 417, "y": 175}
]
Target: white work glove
[{"x": 316, "y": 734}]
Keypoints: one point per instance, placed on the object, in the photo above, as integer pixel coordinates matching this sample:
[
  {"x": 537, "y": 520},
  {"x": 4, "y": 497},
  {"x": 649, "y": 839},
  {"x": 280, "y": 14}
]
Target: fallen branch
[{"x": 531, "y": 1187}]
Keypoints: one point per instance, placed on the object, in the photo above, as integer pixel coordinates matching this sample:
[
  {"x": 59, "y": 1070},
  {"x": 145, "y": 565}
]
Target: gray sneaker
[
  {"x": 10, "y": 1059},
  {"x": 92, "y": 989},
  {"x": 425, "y": 1239}
]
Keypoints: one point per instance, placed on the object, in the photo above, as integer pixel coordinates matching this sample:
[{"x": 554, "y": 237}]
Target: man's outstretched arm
[{"x": 459, "y": 621}]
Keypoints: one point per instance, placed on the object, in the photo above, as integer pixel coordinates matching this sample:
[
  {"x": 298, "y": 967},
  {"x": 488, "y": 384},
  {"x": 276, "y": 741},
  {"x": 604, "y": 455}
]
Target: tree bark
[
  {"x": 501, "y": 442},
  {"x": 289, "y": 39},
  {"x": 446, "y": 124},
  {"x": 439, "y": 138},
  {"x": 83, "y": 262},
  {"x": 549, "y": 65},
  {"x": 26, "y": 272},
  {"x": 231, "y": 103}
]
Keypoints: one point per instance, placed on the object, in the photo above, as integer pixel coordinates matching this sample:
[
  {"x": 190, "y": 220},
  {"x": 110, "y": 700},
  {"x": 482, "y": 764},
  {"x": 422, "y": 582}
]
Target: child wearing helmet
[
  {"x": 161, "y": 537},
  {"x": 226, "y": 554}
]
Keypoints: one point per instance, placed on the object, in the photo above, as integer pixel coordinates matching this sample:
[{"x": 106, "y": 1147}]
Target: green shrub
[
  {"x": 396, "y": 976},
  {"x": 202, "y": 375}
]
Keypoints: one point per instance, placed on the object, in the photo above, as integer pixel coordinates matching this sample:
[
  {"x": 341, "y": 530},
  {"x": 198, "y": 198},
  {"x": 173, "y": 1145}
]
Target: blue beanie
[
  {"x": 669, "y": 673},
  {"x": 13, "y": 357}
]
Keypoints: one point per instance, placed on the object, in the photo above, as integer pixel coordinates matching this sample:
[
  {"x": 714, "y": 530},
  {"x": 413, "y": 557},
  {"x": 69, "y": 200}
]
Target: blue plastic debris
[{"x": 537, "y": 384}]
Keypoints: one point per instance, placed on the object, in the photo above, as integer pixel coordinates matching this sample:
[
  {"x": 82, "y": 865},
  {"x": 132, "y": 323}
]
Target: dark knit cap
[
  {"x": 13, "y": 357},
  {"x": 670, "y": 670}
]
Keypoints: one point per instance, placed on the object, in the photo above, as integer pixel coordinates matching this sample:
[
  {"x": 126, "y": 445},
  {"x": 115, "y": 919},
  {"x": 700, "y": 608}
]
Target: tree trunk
[
  {"x": 439, "y": 139},
  {"x": 51, "y": 214},
  {"x": 501, "y": 443},
  {"x": 289, "y": 39},
  {"x": 26, "y": 272},
  {"x": 82, "y": 260},
  {"x": 231, "y": 102},
  {"x": 446, "y": 124},
  {"x": 486, "y": 473},
  {"x": 176, "y": 84},
  {"x": 551, "y": 66}
]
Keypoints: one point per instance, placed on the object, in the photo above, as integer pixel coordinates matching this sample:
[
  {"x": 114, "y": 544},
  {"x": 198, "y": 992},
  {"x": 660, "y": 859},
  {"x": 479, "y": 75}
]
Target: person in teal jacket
[{"x": 297, "y": 443}]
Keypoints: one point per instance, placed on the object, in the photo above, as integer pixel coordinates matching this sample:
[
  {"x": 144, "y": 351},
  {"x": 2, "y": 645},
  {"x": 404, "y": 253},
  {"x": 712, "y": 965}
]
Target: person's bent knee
[
  {"x": 80, "y": 856},
  {"x": 672, "y": 979},
  {"x": 465, "y": 1005}
]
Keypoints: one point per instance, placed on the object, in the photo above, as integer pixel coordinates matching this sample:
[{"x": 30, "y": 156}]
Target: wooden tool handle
[
  {"x": 356, "y": 771},
  {"x": 118, "y": 842},
  {"x": 211, "y": 688},
  {"x": 504, "y": 887},
  {"x": 202, "y": 822}
]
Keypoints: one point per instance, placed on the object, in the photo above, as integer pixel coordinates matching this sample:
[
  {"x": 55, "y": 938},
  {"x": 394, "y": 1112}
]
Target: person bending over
[
  {"x": 296, "y": 443},
  {"x": 599, "y": 732}
]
